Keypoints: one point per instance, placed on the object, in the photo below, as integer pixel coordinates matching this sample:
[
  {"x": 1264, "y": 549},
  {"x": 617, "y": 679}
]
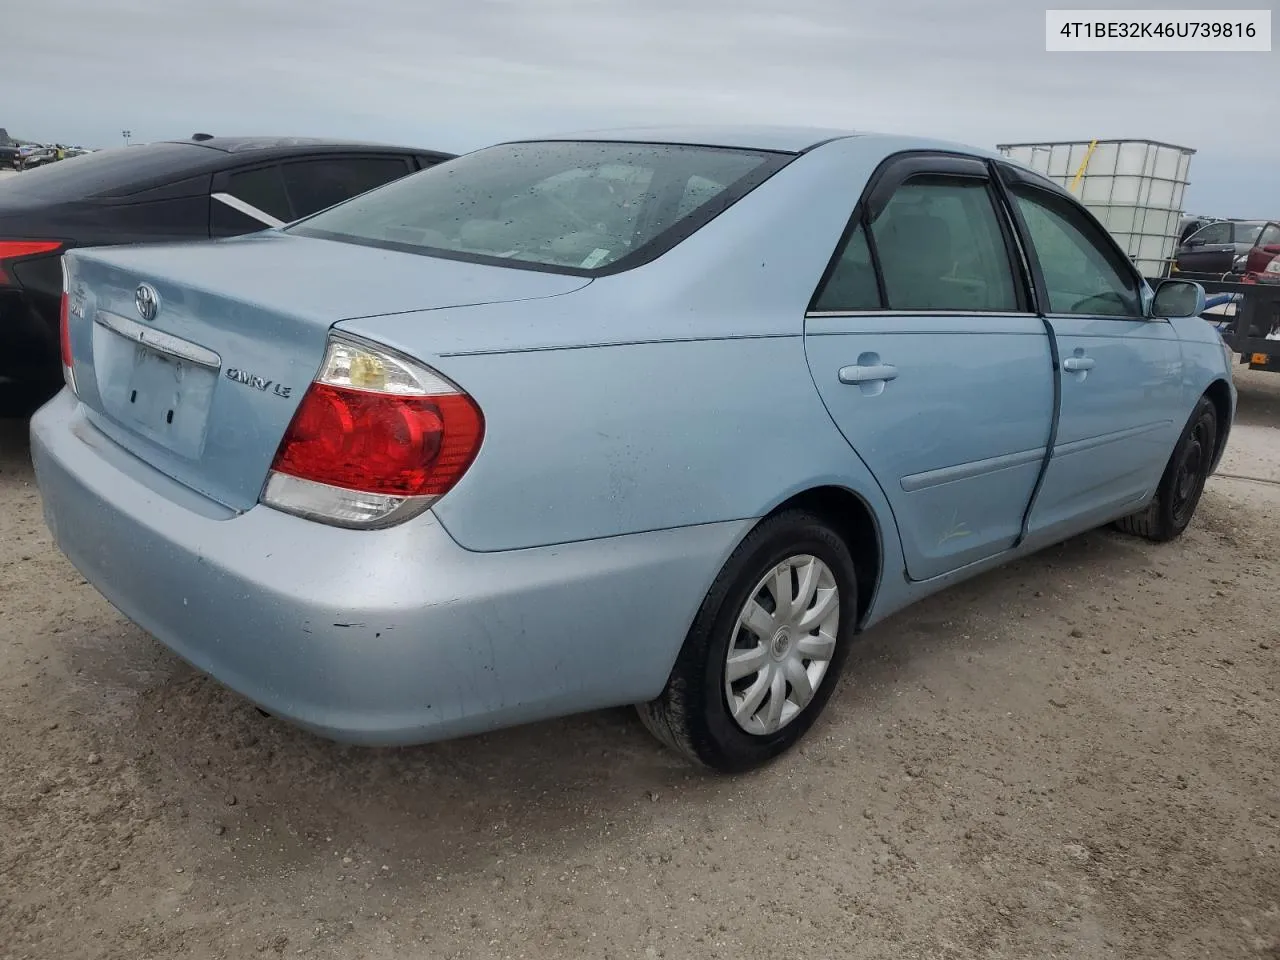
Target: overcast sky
[{"x": 457, "y": 74}]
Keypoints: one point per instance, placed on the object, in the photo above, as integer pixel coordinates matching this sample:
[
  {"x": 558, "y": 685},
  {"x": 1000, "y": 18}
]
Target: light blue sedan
[{"x": 653, "y": 417}]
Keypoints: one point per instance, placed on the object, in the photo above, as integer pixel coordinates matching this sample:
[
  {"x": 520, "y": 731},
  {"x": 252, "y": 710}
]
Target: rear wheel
[
  {"x": 1183, "y": 481},
  {"x": 765, "y": 650}
]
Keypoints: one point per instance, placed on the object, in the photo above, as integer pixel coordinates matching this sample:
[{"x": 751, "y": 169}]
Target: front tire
[
  {"x": 766, "y": 649},
  {"x": 1183, "y": 480}
]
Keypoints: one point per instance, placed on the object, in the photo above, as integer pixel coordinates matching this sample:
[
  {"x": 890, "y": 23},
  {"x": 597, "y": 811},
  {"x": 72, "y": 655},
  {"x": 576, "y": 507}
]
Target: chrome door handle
[
  {"x": 1077, "y": 363},
  {"x": 879, "y": 372}
]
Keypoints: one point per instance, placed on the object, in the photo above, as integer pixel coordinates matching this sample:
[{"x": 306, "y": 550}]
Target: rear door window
[
  {"x": 1247, "y": 233},
  {"x": 940, "y": 248},
  {"x": 245, "y": 201},
  {"x": 316, "y": 184}
]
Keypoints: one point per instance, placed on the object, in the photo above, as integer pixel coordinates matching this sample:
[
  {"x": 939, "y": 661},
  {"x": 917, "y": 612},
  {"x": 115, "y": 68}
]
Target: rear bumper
[{"x": 377, "y": 637}]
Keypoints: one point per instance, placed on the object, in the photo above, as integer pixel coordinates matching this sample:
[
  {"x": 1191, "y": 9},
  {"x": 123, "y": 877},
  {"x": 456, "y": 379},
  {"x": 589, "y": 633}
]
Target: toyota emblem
[{"x": 147, "y": 301}]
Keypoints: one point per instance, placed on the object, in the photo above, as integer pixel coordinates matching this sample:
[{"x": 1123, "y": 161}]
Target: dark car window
[
  {"x": 1247, "y": 233},
  {"x": 852, "y": 283},
  {"x": 1083, "y": 272},
  {"x": 316, "y": 184},
  {"x": 580, "y": 207},
  {"x": 115, "y": 172},
  {"x": 430, "y": 159},
  {"x": 262, "y": 188},
  {"x": 1214, "y": 233},
  {"x": 940, "y": 247}
]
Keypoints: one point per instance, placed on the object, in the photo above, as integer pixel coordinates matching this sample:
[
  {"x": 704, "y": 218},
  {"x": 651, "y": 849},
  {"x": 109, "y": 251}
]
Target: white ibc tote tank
[{"x": 1135, "y": 187}]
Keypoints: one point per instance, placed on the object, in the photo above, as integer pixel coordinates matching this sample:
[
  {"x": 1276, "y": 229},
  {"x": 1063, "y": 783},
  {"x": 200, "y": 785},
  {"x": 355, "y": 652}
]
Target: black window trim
[
  {"x": 890, "y": 174},
  {"x": 773, "y": 161},
  {"x": 1010, "y": 176}
]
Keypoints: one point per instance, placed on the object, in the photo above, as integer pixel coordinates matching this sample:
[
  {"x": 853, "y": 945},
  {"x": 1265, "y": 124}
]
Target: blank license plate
[{"x": 162, "y": 397}]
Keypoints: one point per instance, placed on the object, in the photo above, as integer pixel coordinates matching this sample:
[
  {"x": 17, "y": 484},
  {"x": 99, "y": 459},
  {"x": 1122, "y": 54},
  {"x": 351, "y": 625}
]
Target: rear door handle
[
  {"x": 872, "y": 373},
  {"x": 1077, "y": 363}
]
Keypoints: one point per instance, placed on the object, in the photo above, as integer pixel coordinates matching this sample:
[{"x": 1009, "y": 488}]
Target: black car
[
  {"x": 1220, "y": 247},
  {"x": 9, "y": 149},
  {"x": 172, "y": 190}
]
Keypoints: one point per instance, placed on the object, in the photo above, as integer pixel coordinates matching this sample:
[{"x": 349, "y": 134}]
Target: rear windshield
[
  {"x": 571, "y": 207},
  {"x": 117, "y": 171}
]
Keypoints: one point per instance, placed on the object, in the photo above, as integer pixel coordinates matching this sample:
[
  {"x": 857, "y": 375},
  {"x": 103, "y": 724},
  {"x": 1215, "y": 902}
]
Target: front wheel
[
  {"x": 1183, "y": 480},
  {"x": 765, "y": 650}
]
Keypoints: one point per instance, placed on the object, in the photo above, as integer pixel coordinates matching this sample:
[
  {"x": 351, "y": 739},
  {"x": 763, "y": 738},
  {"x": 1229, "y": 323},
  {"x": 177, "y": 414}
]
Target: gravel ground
[{"x": 1072, "y": 757}]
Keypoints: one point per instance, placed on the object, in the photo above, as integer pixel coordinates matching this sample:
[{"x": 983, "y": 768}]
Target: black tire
[
  {"x": 692, "y": 713},
  {"x": 1183, "y": 480}
]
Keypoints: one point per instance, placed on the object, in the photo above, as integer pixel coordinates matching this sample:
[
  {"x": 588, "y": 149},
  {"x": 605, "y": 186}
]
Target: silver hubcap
[{"x": 782, "y": 644}]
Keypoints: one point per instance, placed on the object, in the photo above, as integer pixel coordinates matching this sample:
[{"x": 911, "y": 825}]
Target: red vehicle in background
[{"x": 1262, "y": 262}]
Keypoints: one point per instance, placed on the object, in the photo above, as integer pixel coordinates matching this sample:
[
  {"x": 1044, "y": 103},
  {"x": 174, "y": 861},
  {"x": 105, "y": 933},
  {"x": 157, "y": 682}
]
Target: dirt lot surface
[{"x": 1076, "y": 756}]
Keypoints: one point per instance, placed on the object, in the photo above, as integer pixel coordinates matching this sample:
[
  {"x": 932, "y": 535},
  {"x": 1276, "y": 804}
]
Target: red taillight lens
[
  {"x": 15, "y": 249},
  {"x": 376, "y": 439},
  {"x": 381, "y": 443},
  {"x": 64, "y": 328}
]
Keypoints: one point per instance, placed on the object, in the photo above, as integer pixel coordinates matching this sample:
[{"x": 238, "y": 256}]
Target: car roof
[
  {"x": 285, "y": 145},
  {"x": 777, "y": 138},
  {"x": 785, "y": 139},
  {"x": 119, "y": 172}
]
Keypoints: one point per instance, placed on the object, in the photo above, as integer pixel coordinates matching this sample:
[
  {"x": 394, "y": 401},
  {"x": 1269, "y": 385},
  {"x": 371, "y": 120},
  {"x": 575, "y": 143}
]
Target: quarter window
[
  {"x": 852, "y": 283},
  {"x": 1083, "y": 272},
  {"x": 261, "y": 188},
  {"x": 939, "y": 244}
]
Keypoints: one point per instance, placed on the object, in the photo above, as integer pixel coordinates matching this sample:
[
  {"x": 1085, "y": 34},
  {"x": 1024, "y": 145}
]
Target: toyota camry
[{"x": 651, "y": 417}]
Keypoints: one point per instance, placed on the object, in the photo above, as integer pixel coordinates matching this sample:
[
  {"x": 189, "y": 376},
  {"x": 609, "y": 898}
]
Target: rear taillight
[
  {"x": 17, "y": 249},
  {"x": 376, "y": 439},
  {"x": 64, "y": 331}
]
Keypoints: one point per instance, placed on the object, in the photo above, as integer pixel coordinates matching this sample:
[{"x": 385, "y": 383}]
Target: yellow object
[
  {"x": 368, "y": 372},
  {"x": 1083, "y": 164},
  {"x": 1259, "y": 358}
]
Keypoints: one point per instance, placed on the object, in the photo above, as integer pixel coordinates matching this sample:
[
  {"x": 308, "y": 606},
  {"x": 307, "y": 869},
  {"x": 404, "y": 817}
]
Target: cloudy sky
[{"x": 457, "y": 74}]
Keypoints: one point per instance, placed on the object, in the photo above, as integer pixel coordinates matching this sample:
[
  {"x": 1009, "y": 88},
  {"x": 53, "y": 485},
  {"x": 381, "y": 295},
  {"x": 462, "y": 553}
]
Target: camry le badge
[
  {"x": 147, "y": 301},
  {"x": 236, "y": 375}
]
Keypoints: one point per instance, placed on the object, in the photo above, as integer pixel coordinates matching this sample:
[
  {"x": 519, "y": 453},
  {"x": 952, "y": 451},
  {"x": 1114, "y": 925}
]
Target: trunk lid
[{"x": 204, "y": 386}]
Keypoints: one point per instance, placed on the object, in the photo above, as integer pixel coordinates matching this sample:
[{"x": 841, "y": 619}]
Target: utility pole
[{"x": 126, "y": 134}]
